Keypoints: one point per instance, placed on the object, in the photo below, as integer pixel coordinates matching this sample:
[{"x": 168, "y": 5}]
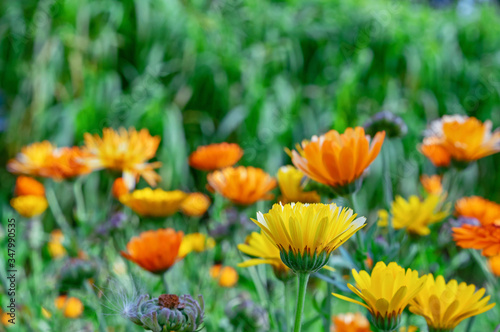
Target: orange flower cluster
[{"x": 215, "y": 156}]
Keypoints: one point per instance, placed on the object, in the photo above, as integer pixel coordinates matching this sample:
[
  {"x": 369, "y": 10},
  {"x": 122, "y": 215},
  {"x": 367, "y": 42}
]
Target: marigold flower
[
  {"x": 386, "y": 292},
  {"x": 494, "y": 265},
  {"x": 445, "y": 305},
  {"x": 415, "y": 214},
  {"x": 481, "y": 209},
  {"x": 195, "y": 204},
  {"x": 306, "y": 234},
  {"x": 260, "y": 246},
  {"x": 29, "y": 206},
  {"x": 126, "y": 151},
  {"x": 215, "y": 156},
  {"x": 155, "y": 251},
  {"x": 435, "y": 152},
  {"x": 242, "y": 185},
  {"x": 55, "y": 246},
  {"x": 290, "y": 183},
  {"x": 154, "y": 203},
  {"x": 485, "y": 238},
  {"x": 119, "y": 188},
  {"x": 226, "y": 276},
  {"x": 350, "y": 322},
  {"x": 337, "y": 159},
  {"x": 196, "y": 242},
  {"x": 432, "y": 184},
  {"x": 70, "y": 306},
  {"x": 28, "y": 186}
]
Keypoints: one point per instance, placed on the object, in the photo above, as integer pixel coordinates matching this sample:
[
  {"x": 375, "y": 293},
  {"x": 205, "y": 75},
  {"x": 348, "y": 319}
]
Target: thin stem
[
  {"x": 303, "y": 278},
  {"x": 56, "y": 210},
  {"x": 165, "y": 283},
  {"x": 285, "y": 304},
  {"x": 468, "y": 328},
  {"x": 328, "y": 306},
  {"x": 354, "y": 206},
  {"x": 80, "y": 202}
]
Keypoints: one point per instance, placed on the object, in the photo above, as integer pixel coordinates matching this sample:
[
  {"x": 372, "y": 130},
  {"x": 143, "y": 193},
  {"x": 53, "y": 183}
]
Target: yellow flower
[
  {"x": 29, "y": 206},
  {"x": 71, "y": 306},
  {"x": 415, "y": 214},
  {"x": 289, "y": 181},
  {"x": 196, "y": 242},
  {"x": 154, "y": 203},
  {"x": 195, "y": 205},
  {"x": 306, "y": 234},
  {"x": 226, "y": 276},
  {"x": 56, "y": 249},
  {"x": 432, "y": 184},
  {"x": 445, "y": 305},
  {"x": 126, "y": 151},
  {"x": 386, "y": 292}
]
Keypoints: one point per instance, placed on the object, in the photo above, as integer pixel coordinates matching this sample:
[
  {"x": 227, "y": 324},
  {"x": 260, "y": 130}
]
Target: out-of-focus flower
[
  {"x": 265, "y": 252},
  {"x": 70, "y": 306},
  {"x": 494, "y": 265},
  {"x": 350, "y": 322},
  {"x": 226, "y": 276},
  {"x": 460, "y": 138},
  {"x": 154, "y": 203},
  {"x": 306, "y": 234},
  {"x": 485, "y": 238},
  {"x": 196, "y": 242},
  {"x": 55, "y": 246},
  {"x": 485, "y": 211},
  {"x": 246, "y": 315},
  {"x": 116, "y": 221},
  {"x": 445, "y": 305},
  {"x": 195, "y": 204},
  {"x": 155, "y": 251},
  {"x": 119, "y": 188},
  {"x": 29, "y": 206},
  {"x": 290, "y": 183},
  {"x": 125, "y": 151},
  {"x": 415, "y": 215},
  {"x": 46, "y": 313},
  {"x": 386, "y": 121},
  {"x": 337, "y": 160},
  {"x": 215, "y": 156},
  {"x": 45, "y": 160},
  {"x": 75, "y": 272},
  {"x": 26, "y": 186},
  {"x": 386, "y": 292},
  {"x": 7, "y": 320},
  {"x": 432, "y": 184},
  {"x": 242, "y": 185},
  {"x": 411, "y": 328},
  {"x": 168, "y": 312}
]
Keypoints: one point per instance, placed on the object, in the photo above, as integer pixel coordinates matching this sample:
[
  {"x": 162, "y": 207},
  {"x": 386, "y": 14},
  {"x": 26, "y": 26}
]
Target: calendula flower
[
  {"x": 125, "y": 151},
  {"x": 28, "y": 186},
  {"x": 445, "y": 305},
  {"x": 494, "y": 265},
  {"x": 290, "y": 183},
  {"x": 386, "y": 292},
  {"x": 435, "y": 152},
  {"x": 337, "y": 160},
  {"x": 29, "y": 206},
  {"x": 55, "y": 246},
  {"x": 226, "y": 276},
  {"x": 265, "y": 252},
  {"x": 350, "y": 322},
  {"x": 414, "y": 214},
  {"x": 485, "y": 238},
  {"x": 242, "y": 185},
  {"x": 155, "y": 251},
  {"x": 119, "y": 188},
  {"x": 196, "y": 242},
  {"x": 70, "y": 306},
  {"x": 460, "y": 138},
  {"x": 215, "y": 156},
  {"x": 481, "y": 209},
  {"x": 154, "y": 203},
  {"x": 432, "y": 184},
  {"x": 195, "y": 204}
]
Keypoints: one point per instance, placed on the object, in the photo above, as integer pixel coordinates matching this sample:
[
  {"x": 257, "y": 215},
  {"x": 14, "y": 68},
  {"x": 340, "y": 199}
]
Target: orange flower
[
  {"x": 351, "y": 323},
  {"x": 70, "y": 162},
  {"x": 126, "y": 151},
  {"x": 71, "y": 306},
  {"x": 242, "y": 185},
  {"x": 485, "y": 238},
  {"x": 485, "y": 211},
  {"x": 155, "y": 251},
  {"x": 494, "y": 264},
  {"x": 437, "y": 154},
  {"x": 226, "y": 276},
  {"x": 215, "y": 156},
  {"x": 337, "y": 159},
  {"x": 28, "y": 186},
  {"x": 432, "y": 184},
  {"x": 195, "y": 205},
  {"x": 119, "y": 188}
]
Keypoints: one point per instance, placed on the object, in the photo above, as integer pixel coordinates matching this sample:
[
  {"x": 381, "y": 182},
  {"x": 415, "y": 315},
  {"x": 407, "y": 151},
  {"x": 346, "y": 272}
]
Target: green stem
[
  {"x": 303, "y": 278},
  {"x": 354, "y": 206},
  {"x": 165, "y": 283},
  {"x": 56, "y": 210},
  {"x": 469, "y": 324},
  {"x": 80, "y": 202},
  {"x": 328, "y": 306},
  {"x": 285, "y": 304}
]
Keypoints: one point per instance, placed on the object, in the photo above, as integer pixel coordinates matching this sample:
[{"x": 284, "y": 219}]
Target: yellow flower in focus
[
  {"x": 306, "y": 234},
  {"x": 494, "y": 265},
  {"x": 126, "y": 151},
  {"x": 386, "y": 292},
  {"x": 196, "y": 242},
  {"x": 290, "y": 183},
  {"x": 154, "y": 203},
  {"x": 195, "y": 205},
  {"x": 242, "y": 185},
  {"x": 445, "y": 305},
  {"x": 350, "y": 322},
  {"x": 226, "y": 276},
  {"x": 29, "y": 206},
  {"x": 215, "y": 156},
  {"x": 481, "y": 209},
  {"x": 432, "y": 184},
  {"x": 414, "y": 214},
  {"x": 55, "y": 247},
  {"x": 70, "y": 306}
]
